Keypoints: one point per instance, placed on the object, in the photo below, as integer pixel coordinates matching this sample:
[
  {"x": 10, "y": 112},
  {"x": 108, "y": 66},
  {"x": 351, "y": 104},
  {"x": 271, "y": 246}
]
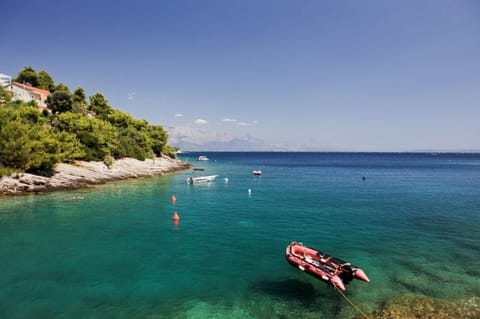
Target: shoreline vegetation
[
  {"x": 81, "y": 174},
  {"x": 51, "y": 138}
]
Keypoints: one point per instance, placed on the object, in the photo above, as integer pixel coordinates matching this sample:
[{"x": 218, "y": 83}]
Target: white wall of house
[
  {"x": 26, "y": 95},
  {"x": 23, "y": 92}
]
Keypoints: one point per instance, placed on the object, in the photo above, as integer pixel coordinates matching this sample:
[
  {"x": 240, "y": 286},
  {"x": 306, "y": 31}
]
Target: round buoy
[
  {"x": 174, "y": 199},
  {"x": 175, "y": 217}
]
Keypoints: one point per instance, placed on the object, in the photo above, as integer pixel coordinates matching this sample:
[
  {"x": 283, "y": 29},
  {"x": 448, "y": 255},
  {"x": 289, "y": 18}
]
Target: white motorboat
[
  {"x": 257, "y": 172},
  {"x": 201, "y": 179},
  {"x": 203, "y": 158}
]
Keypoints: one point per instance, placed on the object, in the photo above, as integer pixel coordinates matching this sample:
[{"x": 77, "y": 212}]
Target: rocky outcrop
[{"x": 81, "y": 174}]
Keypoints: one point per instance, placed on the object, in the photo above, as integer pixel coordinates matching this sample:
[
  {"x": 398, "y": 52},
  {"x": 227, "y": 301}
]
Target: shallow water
[{"x": 412, "y": 225}]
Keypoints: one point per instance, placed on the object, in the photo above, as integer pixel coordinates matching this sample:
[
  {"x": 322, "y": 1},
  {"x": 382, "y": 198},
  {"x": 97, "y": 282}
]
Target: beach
[{"x": 83, "y": 174}]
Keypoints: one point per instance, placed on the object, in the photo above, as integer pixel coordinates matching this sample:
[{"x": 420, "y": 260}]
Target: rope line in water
[{"x": 352, "y": 304}]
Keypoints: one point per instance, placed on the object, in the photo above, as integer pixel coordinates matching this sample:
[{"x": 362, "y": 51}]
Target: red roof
[{"x": 31, "y": 88}]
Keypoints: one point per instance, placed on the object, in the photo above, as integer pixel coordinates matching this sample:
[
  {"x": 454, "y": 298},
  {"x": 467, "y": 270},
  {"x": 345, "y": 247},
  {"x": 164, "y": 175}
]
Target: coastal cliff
[{"x": 82, "y": 174}]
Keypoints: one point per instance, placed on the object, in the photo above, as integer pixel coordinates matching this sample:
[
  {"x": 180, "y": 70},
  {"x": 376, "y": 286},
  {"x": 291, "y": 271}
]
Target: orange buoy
[
  {"x": 174, "y": 199},
  {"x": 175, "y": 217}
]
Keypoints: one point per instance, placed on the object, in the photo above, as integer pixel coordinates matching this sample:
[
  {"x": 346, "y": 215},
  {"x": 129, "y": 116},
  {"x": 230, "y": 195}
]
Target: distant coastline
[{"x": 83, "y": 174}]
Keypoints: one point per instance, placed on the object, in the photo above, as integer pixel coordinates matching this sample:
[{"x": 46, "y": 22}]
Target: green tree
[
  {"x": 27, "y": 147},
  {"x": 21, "y": 111},
  {"x": 69, "y": 148},
  {"x": 99, "y": 105},
  {"x": 45, "y": 81},
  {"x": 99, "y": 138},
  {"x": 29, "y": 114},
  {"x": 61, "y": 87},
  {"x": 45, "y": 147},
  {"x": 159, "y": 138},
  {"x": 28, "y": 143},
  {"x": 16, "y": 144},
  {"x": 79, "y": 98},
  {"x": 119, "y": 119},
  {"x": 133, "y": 143},
  {"x": 28, "y": 76},
  {"x": 170, "y": 151},
  {"x": 59, "y": 102}
]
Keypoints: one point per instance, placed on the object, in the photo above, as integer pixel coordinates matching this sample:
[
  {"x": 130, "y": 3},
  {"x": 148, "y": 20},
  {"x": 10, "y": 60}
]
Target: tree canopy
[
  {"x": 60, "y": 102},
  {"x": 79, "y": 98},
  {"x": 28, "y": 144},
  {"x": 99, "y": 105},
  {"x": 28, "y": 76},
  {"x": 45, "y": 81}
]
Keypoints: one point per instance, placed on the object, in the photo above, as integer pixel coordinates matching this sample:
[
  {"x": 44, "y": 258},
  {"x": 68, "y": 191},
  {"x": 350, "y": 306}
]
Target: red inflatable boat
[{"x": 322, "y": 266}]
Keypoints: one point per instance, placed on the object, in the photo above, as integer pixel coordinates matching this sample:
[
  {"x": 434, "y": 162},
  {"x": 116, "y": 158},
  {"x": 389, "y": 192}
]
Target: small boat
[
  {"x": 257, "y": 172},
  {"x": 201, "y": 179},
  {"x": 198, "y": 169},
  {"x": 329, "y": 269},
  {"x": 203, "y": 158}
]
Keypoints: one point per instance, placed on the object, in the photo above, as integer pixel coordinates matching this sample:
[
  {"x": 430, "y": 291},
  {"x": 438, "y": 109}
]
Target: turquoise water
[{"x": 413, "y": 225}]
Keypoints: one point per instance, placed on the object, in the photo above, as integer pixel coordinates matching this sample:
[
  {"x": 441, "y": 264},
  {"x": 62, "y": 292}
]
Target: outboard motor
[{"x": 347, "y": 273}]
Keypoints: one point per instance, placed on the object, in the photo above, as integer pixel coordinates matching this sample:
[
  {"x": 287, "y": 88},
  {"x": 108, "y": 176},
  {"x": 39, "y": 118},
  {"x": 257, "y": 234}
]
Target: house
[
  {"x": 28, "y": 93},
  {"x": 24, "y": 92}
]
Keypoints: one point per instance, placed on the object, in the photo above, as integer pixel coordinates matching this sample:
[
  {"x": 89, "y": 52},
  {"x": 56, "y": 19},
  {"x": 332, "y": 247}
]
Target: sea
[{"x": 411, "y": 221}]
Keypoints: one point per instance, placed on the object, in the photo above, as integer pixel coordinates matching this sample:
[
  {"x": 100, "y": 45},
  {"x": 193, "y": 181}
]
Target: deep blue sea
[{"x": 413, "y": 225}]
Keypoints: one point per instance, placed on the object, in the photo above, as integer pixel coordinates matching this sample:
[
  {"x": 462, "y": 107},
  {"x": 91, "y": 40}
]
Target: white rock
[{"x": 81, "y": 174}]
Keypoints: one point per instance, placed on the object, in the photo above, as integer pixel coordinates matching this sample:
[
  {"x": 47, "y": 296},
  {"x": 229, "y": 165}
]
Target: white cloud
[
  {"x": 179, "y": 115},
  {"x": 248, "y": 123},
  {"x": 229, "y": 120},
  {"x": 201, "y": 122},
  {"x": 131, "y": 96}
]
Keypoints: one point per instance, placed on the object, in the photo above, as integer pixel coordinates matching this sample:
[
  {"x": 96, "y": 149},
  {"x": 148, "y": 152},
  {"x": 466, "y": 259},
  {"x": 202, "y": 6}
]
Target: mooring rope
[{"x": 352, "y": 304}]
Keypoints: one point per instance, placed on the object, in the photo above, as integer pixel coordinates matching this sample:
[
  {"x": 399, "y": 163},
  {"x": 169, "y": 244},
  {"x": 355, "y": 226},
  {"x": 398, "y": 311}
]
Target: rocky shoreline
[{"x": 82, "y": 174}]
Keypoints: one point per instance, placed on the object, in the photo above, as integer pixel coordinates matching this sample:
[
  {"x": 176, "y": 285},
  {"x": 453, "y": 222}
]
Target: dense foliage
[{"x": 31, "y": 140}]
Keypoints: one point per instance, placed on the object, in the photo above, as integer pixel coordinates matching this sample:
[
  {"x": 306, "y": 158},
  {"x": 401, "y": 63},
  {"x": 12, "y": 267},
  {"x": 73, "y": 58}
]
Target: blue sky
[{"x": 287, "y": 75}]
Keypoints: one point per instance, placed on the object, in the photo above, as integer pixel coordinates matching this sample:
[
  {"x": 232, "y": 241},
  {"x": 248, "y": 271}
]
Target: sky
[{"x": 300, "y": 75}]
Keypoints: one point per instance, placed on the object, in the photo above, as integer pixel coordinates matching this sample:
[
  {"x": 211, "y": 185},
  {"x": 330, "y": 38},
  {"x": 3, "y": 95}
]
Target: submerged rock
[{"x": 414, "y": 307}]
